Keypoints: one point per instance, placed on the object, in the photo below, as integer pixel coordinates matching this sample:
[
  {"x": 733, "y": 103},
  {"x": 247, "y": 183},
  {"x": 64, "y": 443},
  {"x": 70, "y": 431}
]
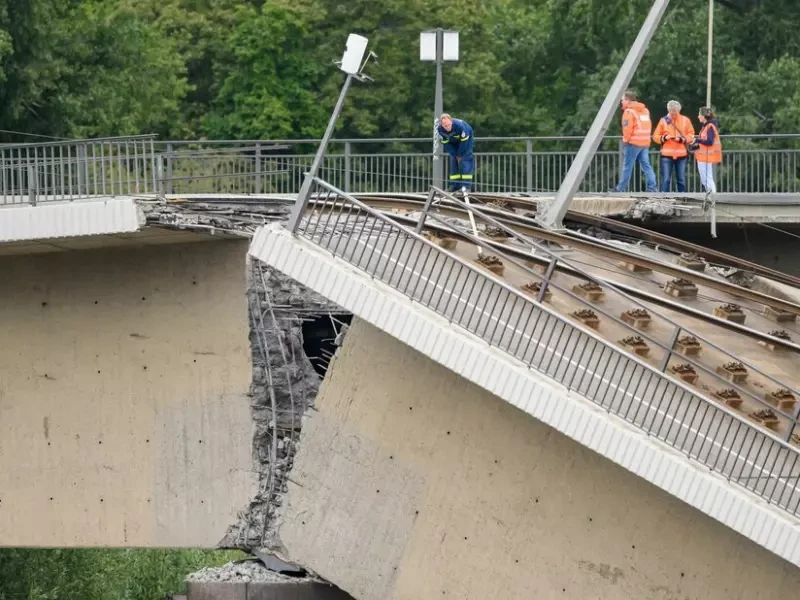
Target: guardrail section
[
  {"x": 566, "y": 351},
  {"x": 70, "y": 170}
]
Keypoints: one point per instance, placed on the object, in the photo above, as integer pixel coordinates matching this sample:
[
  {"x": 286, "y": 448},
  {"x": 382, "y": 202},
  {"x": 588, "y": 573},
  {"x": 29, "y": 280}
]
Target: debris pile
[{"x": 240, "y": 572}]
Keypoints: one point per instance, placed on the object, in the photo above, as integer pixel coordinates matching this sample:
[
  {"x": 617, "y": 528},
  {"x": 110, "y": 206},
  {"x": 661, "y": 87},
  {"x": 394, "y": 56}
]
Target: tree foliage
[{"x": 264, "y": 69}]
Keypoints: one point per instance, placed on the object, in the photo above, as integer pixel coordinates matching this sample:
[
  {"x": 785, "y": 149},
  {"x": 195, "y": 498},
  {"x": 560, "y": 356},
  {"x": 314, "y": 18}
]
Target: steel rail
[
  {"x": 592, "y": 246},
  {"x": 628, "y": 289},
  {"x": 661, "y": 239},
  {"x": 713, "y": 256}
]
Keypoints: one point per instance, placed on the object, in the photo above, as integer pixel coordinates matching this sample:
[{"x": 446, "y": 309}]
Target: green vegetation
[
  {"x": 263, "y": 69},
  {"x": 100, "y": 574}
]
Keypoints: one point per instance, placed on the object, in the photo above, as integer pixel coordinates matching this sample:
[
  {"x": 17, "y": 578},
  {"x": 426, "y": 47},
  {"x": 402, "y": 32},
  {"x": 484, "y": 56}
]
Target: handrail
[
  {"x": 488, "y": 138},
  {"x": 743, "y": 452},
  {"x": 519, "y": 138},
  {"x": 140, "y": 137},
  {"x": 527, "y": 164}
]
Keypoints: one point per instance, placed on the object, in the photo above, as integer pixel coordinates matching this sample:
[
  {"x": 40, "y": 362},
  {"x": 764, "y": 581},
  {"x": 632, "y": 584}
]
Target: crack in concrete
[{"x": 284, "y": 387}]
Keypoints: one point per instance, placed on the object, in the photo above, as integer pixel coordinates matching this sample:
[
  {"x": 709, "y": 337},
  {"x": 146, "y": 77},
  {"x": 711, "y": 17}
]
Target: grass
[{"x": 101, "y": 574}]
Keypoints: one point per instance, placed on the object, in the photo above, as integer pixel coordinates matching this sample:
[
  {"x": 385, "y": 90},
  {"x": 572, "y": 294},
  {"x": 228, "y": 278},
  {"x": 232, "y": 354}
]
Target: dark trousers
[
  {"x": 462, "y": 172},
  {"x": 673, "y": 164}
]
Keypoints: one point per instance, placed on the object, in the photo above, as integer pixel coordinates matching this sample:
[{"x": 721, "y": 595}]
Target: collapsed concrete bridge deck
[{"x": 369, "y": 541}]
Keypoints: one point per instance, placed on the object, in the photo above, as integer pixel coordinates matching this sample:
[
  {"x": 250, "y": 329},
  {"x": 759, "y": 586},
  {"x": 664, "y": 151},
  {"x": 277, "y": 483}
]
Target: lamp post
[
  {"x": 351, "y": 64},
  {"x": 710, "y": 50},
  {"x": 438, "y": 45}
]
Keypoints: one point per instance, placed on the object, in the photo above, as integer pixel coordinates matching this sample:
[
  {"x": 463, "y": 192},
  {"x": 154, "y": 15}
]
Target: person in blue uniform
[{"x": 457, "y": 138}]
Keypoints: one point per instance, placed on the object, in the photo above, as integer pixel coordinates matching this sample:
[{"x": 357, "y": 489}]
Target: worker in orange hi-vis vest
[
  {"x": 673, "y": 133},
  {"x": 636, "y": 128},
  {"x": 708, "y": 149}
]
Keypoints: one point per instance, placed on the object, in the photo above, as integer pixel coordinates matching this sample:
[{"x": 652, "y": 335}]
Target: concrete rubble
[
  {"x": 250, "y": 580},
  {"x": 240, "y": 217},
  {"x": 246, "y": 571}
]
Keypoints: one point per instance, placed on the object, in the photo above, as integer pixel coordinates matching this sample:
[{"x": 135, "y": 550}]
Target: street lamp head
[
  {"x": 427, "y": 46},
  {"x": 433, "y": 49},
  {"x": 450, "y": 46},
  {"x": 353, "y": 54}
]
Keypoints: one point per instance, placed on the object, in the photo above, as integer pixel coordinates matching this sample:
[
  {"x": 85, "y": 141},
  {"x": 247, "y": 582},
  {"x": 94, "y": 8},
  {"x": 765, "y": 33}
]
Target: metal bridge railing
[
  {"x": 31, "y": 173},
  {"x": 546, "y": 341},
  {"x": 751, "y": 164},
  {"x": 70, "y": 170}
]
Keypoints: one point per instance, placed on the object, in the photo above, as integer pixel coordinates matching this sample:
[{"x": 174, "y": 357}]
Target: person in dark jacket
[
  {"x": 457, "y": 137},
  {"x": 708, "y": 149}
]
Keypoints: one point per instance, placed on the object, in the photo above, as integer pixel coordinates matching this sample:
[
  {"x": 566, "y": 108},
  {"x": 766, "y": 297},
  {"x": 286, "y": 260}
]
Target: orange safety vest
[
  {"x": 636, "y": 125},
  {"x": 713, "y": 153},
  {"x": 680, "y": 127}
]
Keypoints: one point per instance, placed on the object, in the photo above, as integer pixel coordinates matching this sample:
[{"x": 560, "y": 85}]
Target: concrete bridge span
[
  {"x": 413, "y": 483},
  {"x": 124, "y": 409}
]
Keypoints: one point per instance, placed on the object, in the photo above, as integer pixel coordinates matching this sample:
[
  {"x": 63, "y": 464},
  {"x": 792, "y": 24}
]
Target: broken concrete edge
[
  {"x": 240, "y": 217},
  {"x": 284, "y": 384},
  {"x": 284, "y": 387}
]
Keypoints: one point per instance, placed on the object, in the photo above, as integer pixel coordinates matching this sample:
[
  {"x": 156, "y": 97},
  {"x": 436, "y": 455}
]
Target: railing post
[
  {"x": 32, "y": 181},
  {"x": 425, "y": 209},
  {"x": 169, "y": 168},
  {"x": 160, "y": 174},
  {"x": 82, "y": 168},
  {"x": 258, "y": 168},
  {"x": 670, "y": 348},
  {"x": 347, "y": 166},
  {"x": 551, "y": 268},
  {"x": 3, "y": 181},
  {"x": 529, "y": 164},
  {"x": 792, "y": 428}
]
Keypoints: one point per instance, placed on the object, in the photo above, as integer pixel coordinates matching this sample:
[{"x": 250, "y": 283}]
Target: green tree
[
  {"x": 268, "y": 82},
  {"x": 86, "y": 68}
]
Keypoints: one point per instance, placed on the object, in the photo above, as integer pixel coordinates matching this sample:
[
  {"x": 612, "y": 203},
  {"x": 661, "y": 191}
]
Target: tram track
[{"x": 529, "y": 226}]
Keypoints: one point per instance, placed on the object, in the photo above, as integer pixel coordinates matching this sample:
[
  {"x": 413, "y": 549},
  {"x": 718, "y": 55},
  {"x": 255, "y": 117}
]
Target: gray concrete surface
[
  {"x": 124, "y": 409},
  {"x": 412, "y": 484}
]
